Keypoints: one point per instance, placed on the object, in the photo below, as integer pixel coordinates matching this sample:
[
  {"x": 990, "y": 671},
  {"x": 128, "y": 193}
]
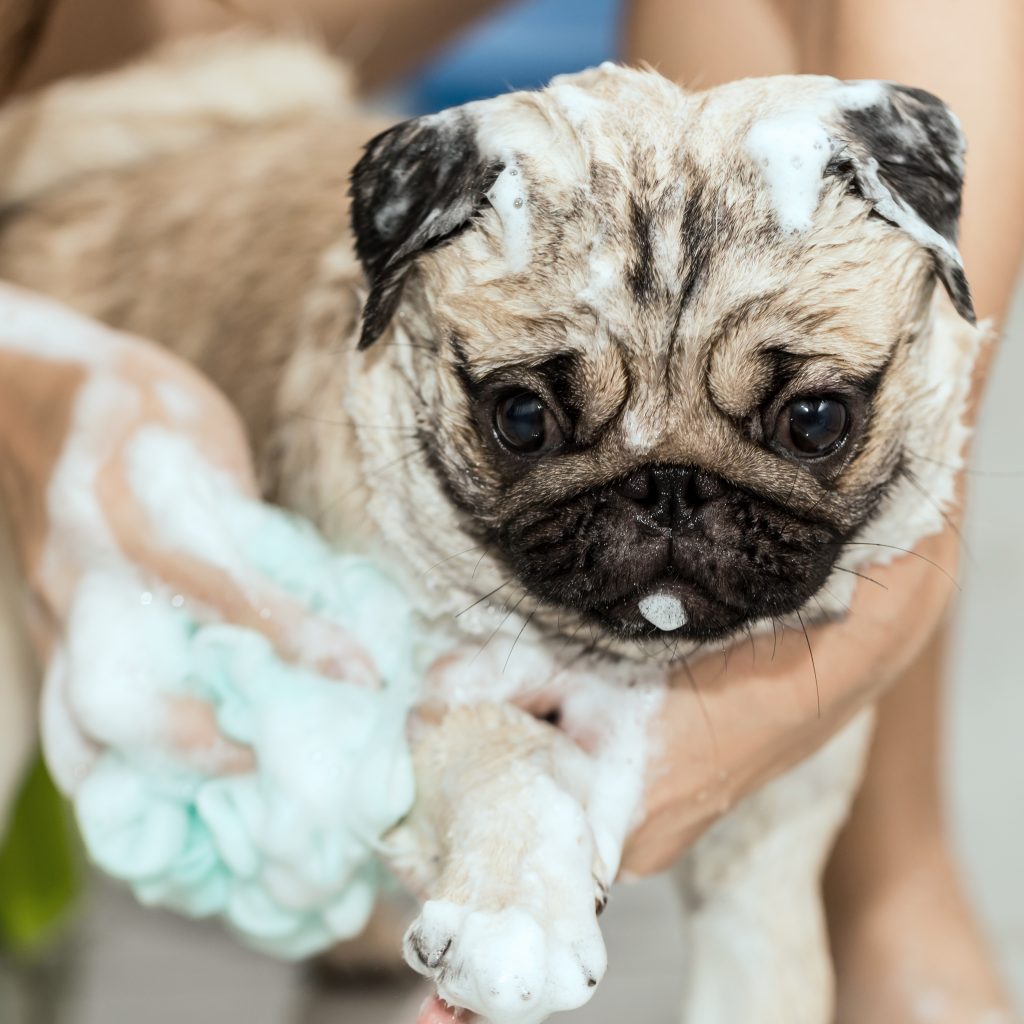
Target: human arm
[
  {"x": 206, "y": 707},
  {"x": 381, "y": 41}
]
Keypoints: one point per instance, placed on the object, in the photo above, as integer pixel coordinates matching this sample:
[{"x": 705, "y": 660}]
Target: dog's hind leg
[{"x": 758, "y": 942}]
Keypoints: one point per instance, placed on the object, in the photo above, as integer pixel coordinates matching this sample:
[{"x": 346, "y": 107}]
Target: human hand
[
  {"x": 196, "y": 640},
  {"x": 123, "y": 461},
  {"x": 734, "y": 721}
]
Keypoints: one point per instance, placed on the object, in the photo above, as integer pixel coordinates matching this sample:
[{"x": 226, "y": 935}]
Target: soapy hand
[
  {"x": 146, "y": 474},
  {"x": 202, "y": 678}
]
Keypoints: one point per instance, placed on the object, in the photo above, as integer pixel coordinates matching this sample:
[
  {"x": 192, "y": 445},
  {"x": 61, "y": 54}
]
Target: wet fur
[{"x": 233, "y": 248}]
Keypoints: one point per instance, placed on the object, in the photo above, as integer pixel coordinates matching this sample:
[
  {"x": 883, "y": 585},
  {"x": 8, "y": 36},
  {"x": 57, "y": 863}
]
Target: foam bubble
[
  {"x": 508, "y": 197},
  {"x": 663, "y": 611},
  {"x": 792, "y": 151}
]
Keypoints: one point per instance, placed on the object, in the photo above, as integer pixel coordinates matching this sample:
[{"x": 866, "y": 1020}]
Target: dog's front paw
[
  {"x": 510, "y": 931},
  {"x": 511, "y": 966}
]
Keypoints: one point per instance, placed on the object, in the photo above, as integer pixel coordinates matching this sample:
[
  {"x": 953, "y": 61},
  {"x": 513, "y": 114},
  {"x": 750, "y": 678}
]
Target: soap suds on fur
[
  {"x": 509, "y": 199},
  {"x": 791, "y": 152},
  {"x": 103, "y": 404},
  {"x": 579, "y": 106}
]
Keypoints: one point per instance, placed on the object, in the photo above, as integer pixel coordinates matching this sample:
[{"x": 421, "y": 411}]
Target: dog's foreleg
[
  {"x": 512, "y": 872},
  {"x": 758, "y": 944}
]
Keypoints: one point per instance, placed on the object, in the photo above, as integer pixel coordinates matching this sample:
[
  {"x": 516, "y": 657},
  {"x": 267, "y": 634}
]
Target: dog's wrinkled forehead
[{"x": 628, "y": 170}]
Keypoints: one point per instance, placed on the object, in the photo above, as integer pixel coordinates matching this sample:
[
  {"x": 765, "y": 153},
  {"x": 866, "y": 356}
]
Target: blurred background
[{"x": 116, "y": 963}]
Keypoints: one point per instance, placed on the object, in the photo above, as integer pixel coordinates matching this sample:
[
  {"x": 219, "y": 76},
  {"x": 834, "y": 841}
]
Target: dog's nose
[{"x": 669, "y": 495}]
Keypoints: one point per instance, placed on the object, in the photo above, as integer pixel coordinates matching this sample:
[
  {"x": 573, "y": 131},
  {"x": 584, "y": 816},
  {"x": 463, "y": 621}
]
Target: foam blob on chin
[{"x": 663, "y": 611}]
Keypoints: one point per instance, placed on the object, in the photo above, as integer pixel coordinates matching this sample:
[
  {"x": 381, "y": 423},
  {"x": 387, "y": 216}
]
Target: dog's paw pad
[
  {"x": 429, "y": 939},
  {"x": 430, "y": 954},
  {"x": 509, "y": 966}
]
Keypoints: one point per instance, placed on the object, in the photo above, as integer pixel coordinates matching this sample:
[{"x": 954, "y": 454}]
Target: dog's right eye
[
  {"x": 812, "y": 427},
  {"x": 524, "y": 424}
]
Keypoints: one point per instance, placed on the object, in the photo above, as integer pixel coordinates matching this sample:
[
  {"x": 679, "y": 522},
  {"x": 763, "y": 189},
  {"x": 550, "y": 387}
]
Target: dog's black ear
[
  {"x": 417, "y": 186},
  {"x": 904, "y": 155}
]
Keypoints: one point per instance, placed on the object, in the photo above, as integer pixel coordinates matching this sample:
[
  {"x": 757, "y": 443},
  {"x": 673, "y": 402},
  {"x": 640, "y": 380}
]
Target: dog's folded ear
[
  {"x": 904, "y": 155},
  {"x": 417, "y": 186}
]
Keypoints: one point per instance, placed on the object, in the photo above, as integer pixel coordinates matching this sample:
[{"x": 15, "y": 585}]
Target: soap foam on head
[
  {"x": 508, "y": 197},
  {"x": 793, "y": 149},
  {"x": 663, "y": 611},
  {"x": 792, "y": 152}
]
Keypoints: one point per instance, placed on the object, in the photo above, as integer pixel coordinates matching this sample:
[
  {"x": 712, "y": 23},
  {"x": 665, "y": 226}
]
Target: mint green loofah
[{"x": 286, "y": 854}]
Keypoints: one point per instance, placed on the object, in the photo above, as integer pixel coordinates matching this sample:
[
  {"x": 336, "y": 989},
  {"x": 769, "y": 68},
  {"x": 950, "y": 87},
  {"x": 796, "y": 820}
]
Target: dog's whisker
[
  {"x": 906, "y": 551},
  {"x": 826, "y": 614},
  {"x": 373, "y": 475},
  {"x": 458, "y": 554},
  {"x": 792, "y": 487},
  {"x": 911, "y": 478},
  {"x": 480, "y": 600},
  {"x": 497, "y": 629},
  {"x": 479, "y": 562},
  {"x": 522, "y": 629},
  {"x": 569, "y": 640},
  {"x": 814, "y": 667},
  {"x": 349, "y": 424},
  {"x": 861, "y": 575},
  {"x": 377, "y": 471},
  {"x": 725, "y": 658},
  {"x": 992, "y": 474}
]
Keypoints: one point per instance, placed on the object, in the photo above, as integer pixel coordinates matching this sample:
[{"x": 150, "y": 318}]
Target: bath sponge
[{"x": 286, "y": 853}]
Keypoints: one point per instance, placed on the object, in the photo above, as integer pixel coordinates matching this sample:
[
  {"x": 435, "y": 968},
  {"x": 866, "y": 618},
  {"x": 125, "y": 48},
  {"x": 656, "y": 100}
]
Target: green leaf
[{"x": 40, "y": 865}]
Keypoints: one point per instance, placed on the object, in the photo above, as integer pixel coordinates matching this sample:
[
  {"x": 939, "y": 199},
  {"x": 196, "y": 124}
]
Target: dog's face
[{"x": 661, "y": 347}]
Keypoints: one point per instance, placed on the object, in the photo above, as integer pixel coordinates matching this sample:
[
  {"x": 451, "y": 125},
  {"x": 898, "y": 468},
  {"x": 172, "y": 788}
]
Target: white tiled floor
[{"x": 129, "y": 966}]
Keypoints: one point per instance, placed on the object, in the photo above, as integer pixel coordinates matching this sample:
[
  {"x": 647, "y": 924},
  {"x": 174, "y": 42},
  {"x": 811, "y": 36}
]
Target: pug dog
[{"x": 612, "y": 372}]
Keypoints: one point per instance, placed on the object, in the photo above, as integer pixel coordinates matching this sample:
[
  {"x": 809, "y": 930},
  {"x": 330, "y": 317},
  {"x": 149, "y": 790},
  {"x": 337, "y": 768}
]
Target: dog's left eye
[
  {"x": 524, "y": 424},
  {"x": 811, "y": 426}
]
